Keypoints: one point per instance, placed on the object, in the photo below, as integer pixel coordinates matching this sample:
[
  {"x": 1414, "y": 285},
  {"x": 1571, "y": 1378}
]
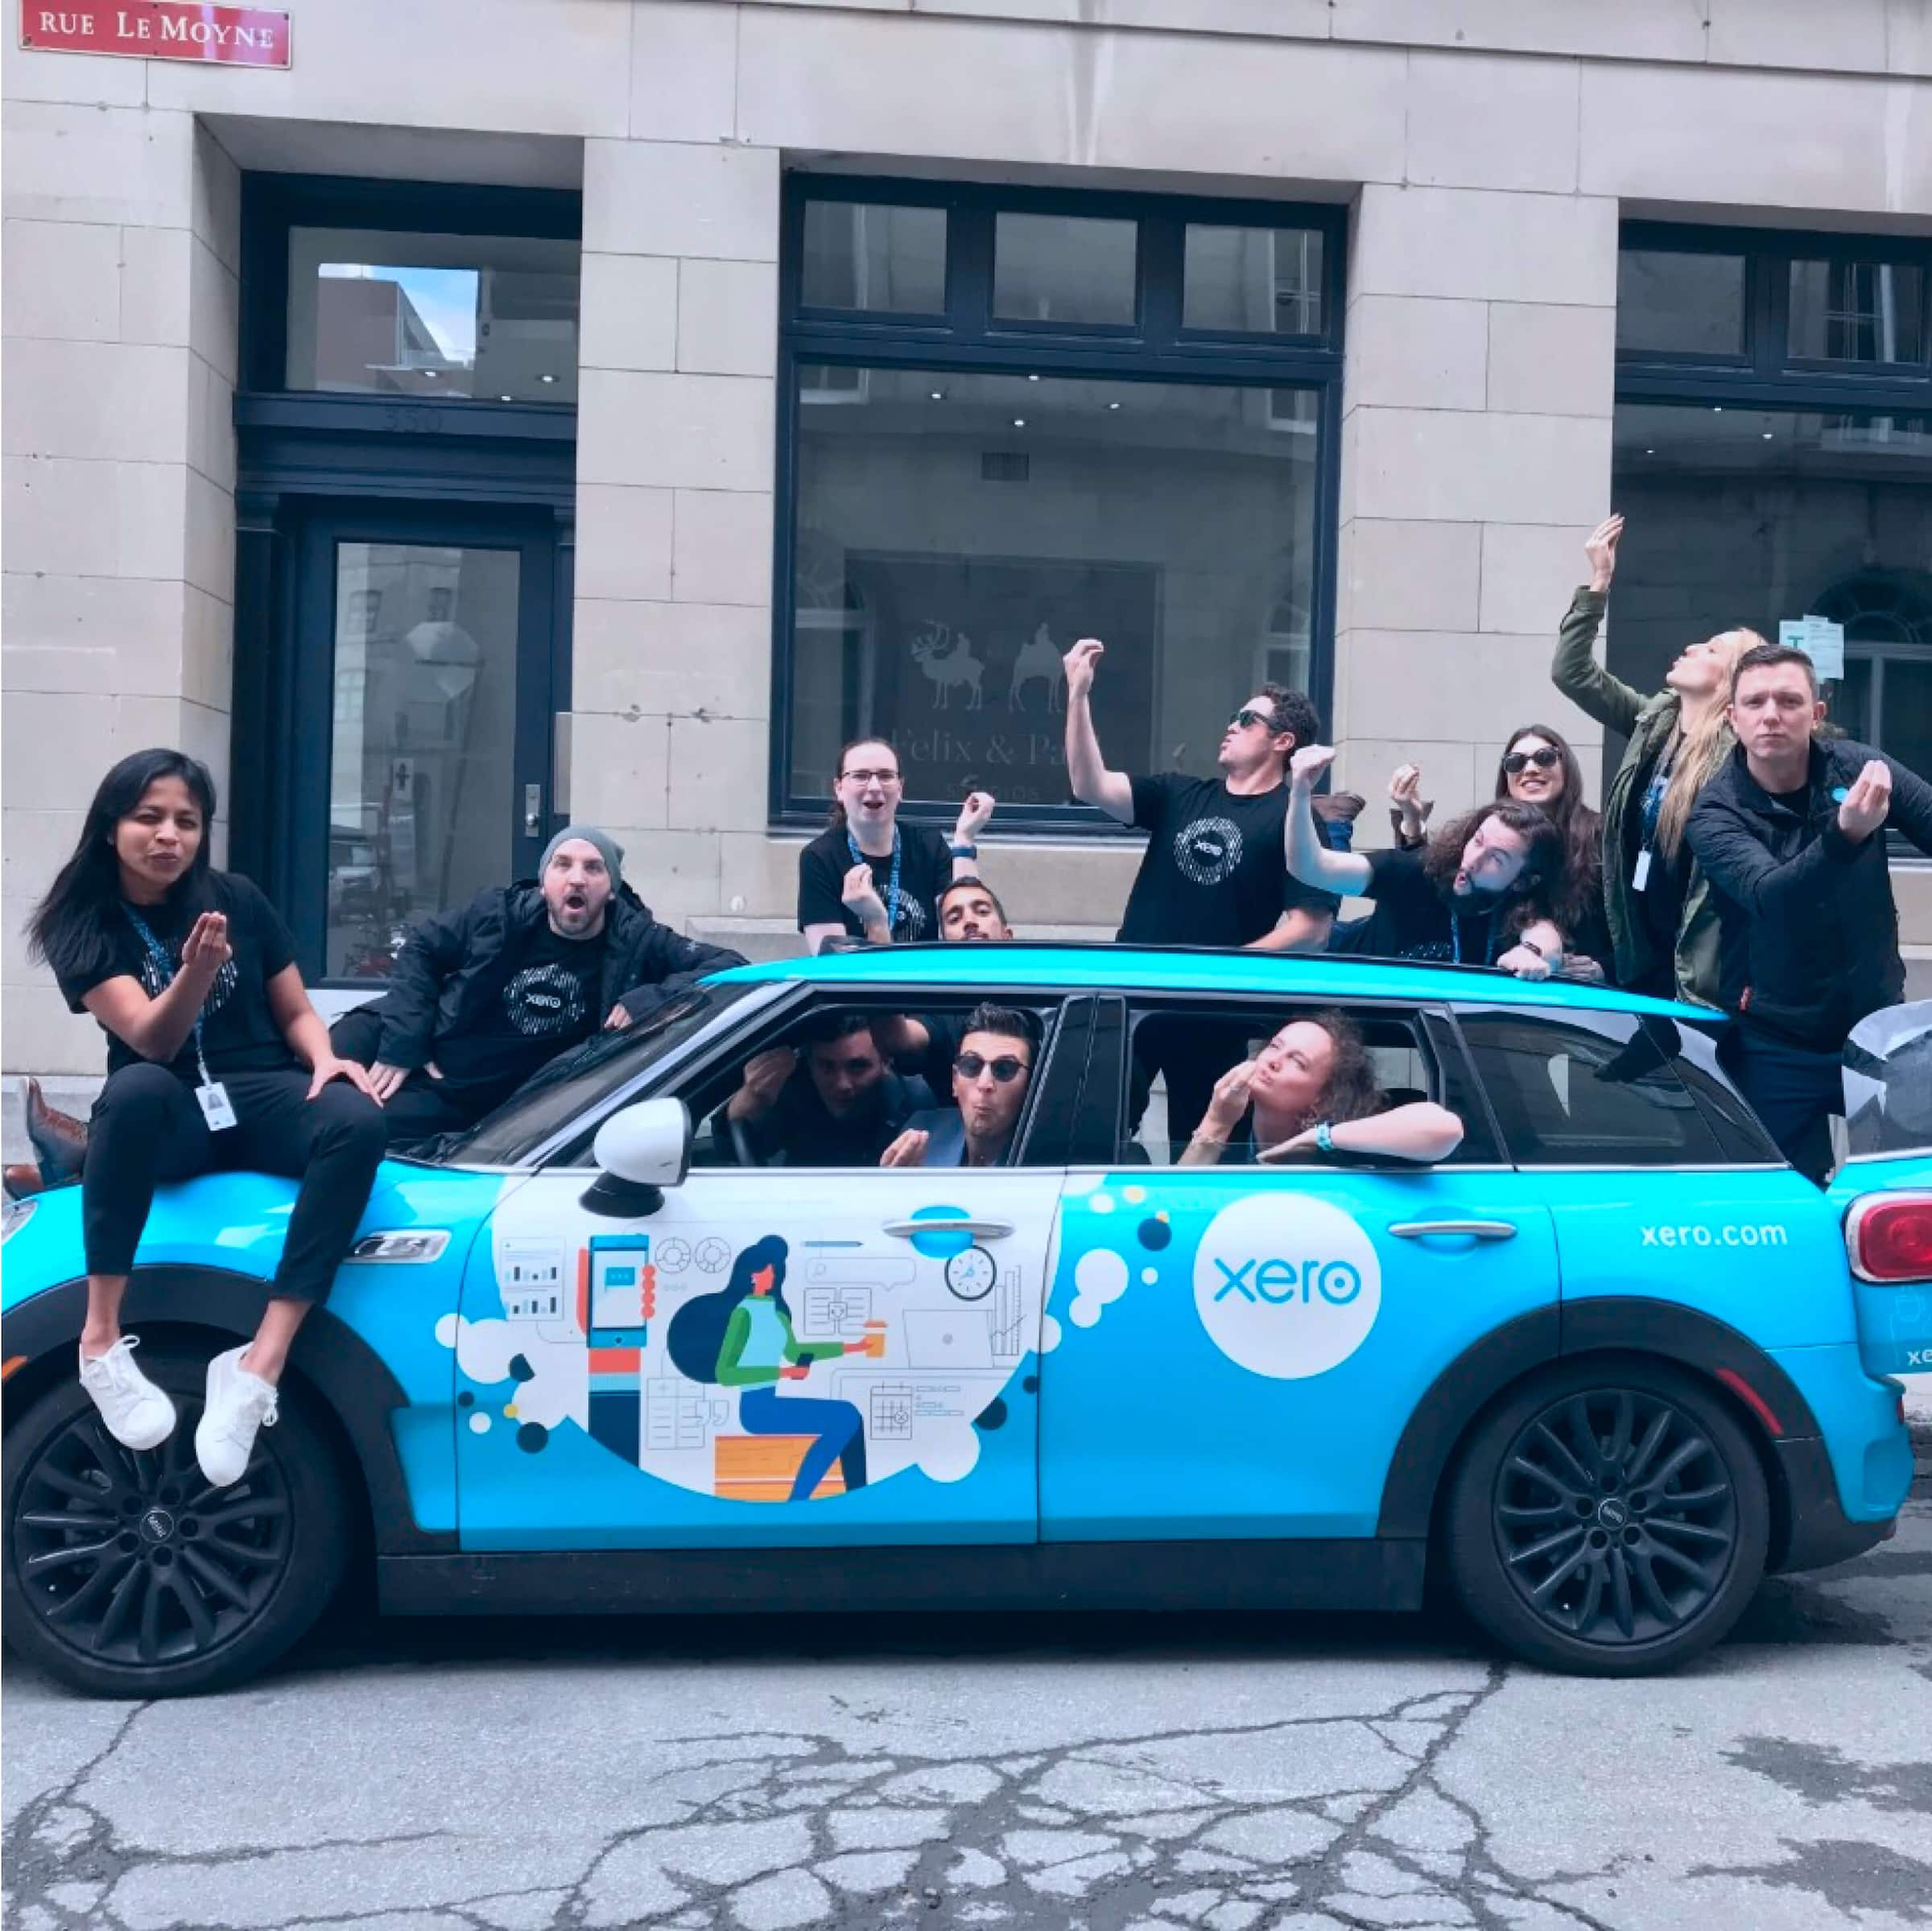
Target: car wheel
[
  {"x": 1607, "y": 1519},
  {"x": 127, "y": 1575}
]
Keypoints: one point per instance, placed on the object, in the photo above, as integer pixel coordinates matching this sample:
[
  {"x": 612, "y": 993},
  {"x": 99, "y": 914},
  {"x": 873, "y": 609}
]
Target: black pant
[
  {"x": 1794, "y": 1092},
  {"x": 147, "y": 1126},
  {"x": 420, "y": 1107},
  {"x": 1192, "y": 1053}
]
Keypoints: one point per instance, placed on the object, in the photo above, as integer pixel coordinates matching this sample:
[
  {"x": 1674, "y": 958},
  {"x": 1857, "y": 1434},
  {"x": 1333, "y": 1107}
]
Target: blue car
[{"x": 1600, "y": 1369}]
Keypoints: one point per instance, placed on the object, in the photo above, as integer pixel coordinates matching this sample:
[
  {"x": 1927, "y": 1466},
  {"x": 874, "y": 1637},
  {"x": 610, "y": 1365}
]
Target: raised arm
[
  {"x": 1309, "y": 858},
  {"x": 976, "y": 814},
  {"x": 1093, "y": 784},
  {"x": 1575, "y": 671}
]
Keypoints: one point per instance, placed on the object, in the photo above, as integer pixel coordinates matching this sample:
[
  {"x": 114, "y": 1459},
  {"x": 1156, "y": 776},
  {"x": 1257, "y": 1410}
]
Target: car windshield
[
  {"x": 574, "y": 1082},
  {"x": 1888, "y": 1081}
]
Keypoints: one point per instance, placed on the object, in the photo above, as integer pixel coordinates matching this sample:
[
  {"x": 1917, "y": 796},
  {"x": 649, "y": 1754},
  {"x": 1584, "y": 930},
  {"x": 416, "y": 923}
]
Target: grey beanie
[{"x": 613, "y": 853}]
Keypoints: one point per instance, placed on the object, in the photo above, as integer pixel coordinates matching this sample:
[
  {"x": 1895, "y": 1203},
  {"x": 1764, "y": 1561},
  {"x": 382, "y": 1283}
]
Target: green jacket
[
  {"x": 737, "y": 1332},
  {"x": 1648, "y": 722}
]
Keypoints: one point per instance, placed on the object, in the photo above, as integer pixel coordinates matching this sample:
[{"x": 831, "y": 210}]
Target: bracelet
[
  {"x": 1198, "y": 1138},
  {"x": 960, "y": 851},
  {"x": 1324, "y": 1138}
]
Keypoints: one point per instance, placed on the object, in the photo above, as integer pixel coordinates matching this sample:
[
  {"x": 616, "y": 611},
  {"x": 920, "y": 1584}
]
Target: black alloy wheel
[
  {"x": 1609, "y": 1522},
  {"x": 127, "y": 1574}
]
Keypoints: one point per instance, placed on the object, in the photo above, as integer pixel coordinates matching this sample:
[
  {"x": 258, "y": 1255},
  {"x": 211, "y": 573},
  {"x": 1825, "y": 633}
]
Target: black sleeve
[
  {"x": 1152, "y": 795},
  {"x": 1393, "y": 874},
  {"x": 112, "y": 955},
  {"x": 268, "y": 929},
  {"x": 434, "y": 948},
  {"x": 1296, "y": 897},
  {"x": 1735, "y": 859},
  {"x": 666, "y": 962},
  {"x": 819, "y": 903}
]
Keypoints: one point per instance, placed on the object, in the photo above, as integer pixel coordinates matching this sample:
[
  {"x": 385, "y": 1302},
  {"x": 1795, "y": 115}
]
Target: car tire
[
  {"x": 1567, "y": 1562},
  {"x": 125, "y": 1575}
]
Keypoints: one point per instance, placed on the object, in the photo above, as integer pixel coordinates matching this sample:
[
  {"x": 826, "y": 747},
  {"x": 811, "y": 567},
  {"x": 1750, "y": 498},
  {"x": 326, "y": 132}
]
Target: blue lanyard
[
  {"x": 163, "y": 964},
  {"x": 1456, "y": 938},
  {"x": 892, "y": 887}
]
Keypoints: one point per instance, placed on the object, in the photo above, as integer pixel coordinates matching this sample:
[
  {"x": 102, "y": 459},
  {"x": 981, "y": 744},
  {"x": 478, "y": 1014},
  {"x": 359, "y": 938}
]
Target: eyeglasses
[
  {"x": 1245, "y": 719},
  {"x": 1005, "y": 1069},
  {"x": 1516, "y": 760},
  {"x": 867, "y": 778}
]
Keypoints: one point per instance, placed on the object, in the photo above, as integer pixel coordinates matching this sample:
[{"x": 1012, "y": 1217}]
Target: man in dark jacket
[
  {"x": 481, "y": 998},
  {"x": 1791, "y": 834}
]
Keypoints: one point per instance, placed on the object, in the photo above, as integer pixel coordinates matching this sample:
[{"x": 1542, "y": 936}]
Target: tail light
[{"x": 1889, "y": 1237}]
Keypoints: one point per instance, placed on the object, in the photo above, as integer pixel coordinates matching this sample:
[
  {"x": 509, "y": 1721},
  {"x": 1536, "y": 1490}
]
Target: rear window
[
  {"x": 1888, "y": 1082},
  {"x": 1588, "y": 1089}
]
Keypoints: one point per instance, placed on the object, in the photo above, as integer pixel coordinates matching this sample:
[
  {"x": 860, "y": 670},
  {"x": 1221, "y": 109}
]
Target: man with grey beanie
[{"x": 482, "y": 998}]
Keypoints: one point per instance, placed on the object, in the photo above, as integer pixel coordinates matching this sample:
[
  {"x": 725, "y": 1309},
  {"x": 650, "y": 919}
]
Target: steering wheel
[{"x": 745, "y": 1153}]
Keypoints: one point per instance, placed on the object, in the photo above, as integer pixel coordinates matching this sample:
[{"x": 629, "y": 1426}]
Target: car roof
[{"x": 1021, "y": 966}]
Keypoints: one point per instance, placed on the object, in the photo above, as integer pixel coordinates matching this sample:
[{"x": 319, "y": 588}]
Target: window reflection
[
  {"x": 1251, "y": 281},
  {"x": 957, "y": 533},
  {"x": 1064, "y": 268},
  {"x": 1857, "y": 311},
  {"x": 1668, "y": 303},
  {"x": 867, "y": 255}
]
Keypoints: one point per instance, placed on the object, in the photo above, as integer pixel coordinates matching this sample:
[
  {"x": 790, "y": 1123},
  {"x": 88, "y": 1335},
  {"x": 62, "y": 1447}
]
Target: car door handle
[
  {"x": 1473, "y": 1230},
  {"x": 980, "y": 1230}
]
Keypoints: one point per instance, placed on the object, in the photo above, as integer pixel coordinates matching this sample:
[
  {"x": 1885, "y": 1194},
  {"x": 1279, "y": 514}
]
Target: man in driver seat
[
  {"x": 838, "y": 1103},
  {"x": 991, "y": 1074}
]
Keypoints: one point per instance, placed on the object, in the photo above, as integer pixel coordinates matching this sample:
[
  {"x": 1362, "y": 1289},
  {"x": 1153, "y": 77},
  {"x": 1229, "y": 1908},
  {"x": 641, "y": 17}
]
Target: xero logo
[{"x": 1286, "y": 1287}]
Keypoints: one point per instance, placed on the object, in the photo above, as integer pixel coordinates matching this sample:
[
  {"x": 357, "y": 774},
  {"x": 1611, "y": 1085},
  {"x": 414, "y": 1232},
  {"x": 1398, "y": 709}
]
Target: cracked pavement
[{"x": 1083, "y": 1773}]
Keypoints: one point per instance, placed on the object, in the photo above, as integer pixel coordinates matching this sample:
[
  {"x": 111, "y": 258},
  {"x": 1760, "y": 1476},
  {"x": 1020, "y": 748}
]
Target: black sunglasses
[
  {"x": 1004, "y": 1069},
  {"x": 1244, "y": 718},
  {"x": 1543, "y": 760}
]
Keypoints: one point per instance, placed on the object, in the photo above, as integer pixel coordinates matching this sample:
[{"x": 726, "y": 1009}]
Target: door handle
[
  {"x": 1473, "y": 1230},
  {"x": 533, "y": 811},
  {"x": 980, "y": 1230}
]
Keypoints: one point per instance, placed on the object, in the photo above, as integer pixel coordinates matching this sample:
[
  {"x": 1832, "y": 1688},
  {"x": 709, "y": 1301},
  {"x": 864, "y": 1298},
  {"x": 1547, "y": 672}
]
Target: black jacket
[
  {"x": 1809, "y": 932},
  {"x": 454, "y": 963}
]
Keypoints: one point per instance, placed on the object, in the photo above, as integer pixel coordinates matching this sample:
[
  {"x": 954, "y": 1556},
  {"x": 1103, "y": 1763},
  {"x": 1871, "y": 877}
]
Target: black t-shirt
[
  {"x": 549, "y": 1003},
  {"x": 1412, "y": 918},
  {"x": 1214, "y": 872},
  {"x": 238, "y": 1032},
  {"x": 800, "y": 1130},
  {"x": 925, "y": 871}
]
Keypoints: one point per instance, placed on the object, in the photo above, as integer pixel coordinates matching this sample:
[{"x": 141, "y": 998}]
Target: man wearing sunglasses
[{"x": 991, "y": 1073}]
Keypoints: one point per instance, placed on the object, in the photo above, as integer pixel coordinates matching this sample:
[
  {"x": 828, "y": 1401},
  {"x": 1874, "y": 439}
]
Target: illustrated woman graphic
[{"x": 756, "y": 1351}]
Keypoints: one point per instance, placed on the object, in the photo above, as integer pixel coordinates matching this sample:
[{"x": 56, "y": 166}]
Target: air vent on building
[{"x": 1003, "y": 465}]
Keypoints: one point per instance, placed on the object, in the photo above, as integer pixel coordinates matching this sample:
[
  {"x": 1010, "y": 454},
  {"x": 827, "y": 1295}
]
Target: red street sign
[{"x": 160, "y": 30}]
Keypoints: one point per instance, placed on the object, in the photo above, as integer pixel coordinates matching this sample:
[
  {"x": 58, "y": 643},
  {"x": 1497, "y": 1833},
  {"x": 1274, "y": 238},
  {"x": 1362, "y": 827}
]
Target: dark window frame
[{"x": 970, "y": 339}]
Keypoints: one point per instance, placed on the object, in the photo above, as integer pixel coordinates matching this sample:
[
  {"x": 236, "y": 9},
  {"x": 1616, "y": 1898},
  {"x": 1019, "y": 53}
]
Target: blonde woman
[{"x": 1663, "y": 926}]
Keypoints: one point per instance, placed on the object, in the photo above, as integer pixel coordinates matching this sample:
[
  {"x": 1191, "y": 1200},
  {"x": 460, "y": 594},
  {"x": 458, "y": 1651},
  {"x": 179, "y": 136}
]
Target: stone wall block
[
  {"x": 96, "y": 401},
  {"x": 1531, "y": 572},
  {"x": 675, "y": 431},
  {"x": 1449, "y": 465},
  {"x": 1417, "y": 352},
  {"x": 728, "y": 317},
  {"x": 669, "y": 198},
  {"x": 1413, "y": 575},
  {"x": 630, "y": 312},
  {"x": 1548, "y": 360},
  {"x": 1491, "y": 120},
  {"x": 683, "y": 70},
  {"x": 618, "y": 768},
  {"x": 97, "y": 519},
  {"x": 1485, "y": 246},
  {"x": 672, "y": 658},
  {"x": 623, "y": 543},
  {"x": 62, "y": 281},
  {"x": 721, "y": 548},
  {"x": 68, "y": 163},
  {"x": 718, "y": 773}
]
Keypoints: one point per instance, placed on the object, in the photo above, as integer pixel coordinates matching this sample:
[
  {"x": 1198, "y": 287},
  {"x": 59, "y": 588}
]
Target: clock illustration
[
  {"x": 674, "y": 1257},
  {"x": 970, "y": 1274},
  {"x": 714, "y": 1256}
]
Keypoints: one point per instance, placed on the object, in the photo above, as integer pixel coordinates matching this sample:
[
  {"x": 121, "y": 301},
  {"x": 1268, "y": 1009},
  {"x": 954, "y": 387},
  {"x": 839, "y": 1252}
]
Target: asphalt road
[{"x": 1116, "y": 1774}]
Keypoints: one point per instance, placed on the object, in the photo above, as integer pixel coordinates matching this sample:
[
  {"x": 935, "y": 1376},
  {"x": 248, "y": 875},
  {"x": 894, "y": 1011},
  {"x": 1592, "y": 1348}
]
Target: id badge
[
  {"x": 1641, "y": 876},
  {"x": 216, "y": 1108}
]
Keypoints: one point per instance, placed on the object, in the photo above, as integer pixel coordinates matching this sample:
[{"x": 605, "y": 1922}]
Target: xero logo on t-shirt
[
  {"x": 544, "y": 999},
  {"x": 1206, "y": 850}
]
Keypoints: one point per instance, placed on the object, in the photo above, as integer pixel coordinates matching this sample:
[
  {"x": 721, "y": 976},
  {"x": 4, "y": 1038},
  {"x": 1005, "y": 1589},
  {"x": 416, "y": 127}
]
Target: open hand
[
  {"x": 617, "y": 1019},
  {"x": 1525, "y": 963},
  {"x": 384, "y": 1079},
  {"x": 1405, "y": 794},
  {"x": 1599, "y": 546},
  {"x": 328, "y": 1067},
  {"x": 1229, "y": 1100},
  {"x": 974, "y": 816},
  {"x": 765, "y": 1076},
  {"x": 1309, "y": 763},
  {"x": 1081, "y": 661},
  {"x": 206, "y": 948},
  {"x": 861, "y": 896},
  {"x": 909, "y": 1149},
  {"x": 1868, "y": 800}
]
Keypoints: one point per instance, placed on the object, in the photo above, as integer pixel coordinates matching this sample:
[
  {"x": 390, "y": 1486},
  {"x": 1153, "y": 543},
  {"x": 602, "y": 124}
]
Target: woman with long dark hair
[
  {"x": 1537, "y": 767},
  {"x": 215, "y": 1060},
  {"x": 866, "y": 876},
  {"x": 741, "y": 1337}
]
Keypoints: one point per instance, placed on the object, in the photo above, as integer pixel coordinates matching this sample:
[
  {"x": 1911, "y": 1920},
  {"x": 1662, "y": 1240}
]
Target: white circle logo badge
[
  {"x": 1208, "y": 850},
  {"x": 1287, "y": 1286}
]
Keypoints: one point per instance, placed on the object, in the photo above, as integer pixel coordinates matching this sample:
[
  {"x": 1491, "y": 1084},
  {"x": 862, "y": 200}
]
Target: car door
[
  {"x": 593, "y": 1416},
  {"x": 1235, "y": 1350}
]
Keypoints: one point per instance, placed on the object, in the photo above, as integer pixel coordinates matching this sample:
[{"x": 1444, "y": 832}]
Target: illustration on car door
[{"x": 757, "y": 1340}]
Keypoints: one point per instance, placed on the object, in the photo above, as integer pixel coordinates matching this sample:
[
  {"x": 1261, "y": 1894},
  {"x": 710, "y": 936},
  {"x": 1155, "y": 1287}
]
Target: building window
[
  {"x": 1794, "y": 479},
  {"x": 1013, "y": 420}
]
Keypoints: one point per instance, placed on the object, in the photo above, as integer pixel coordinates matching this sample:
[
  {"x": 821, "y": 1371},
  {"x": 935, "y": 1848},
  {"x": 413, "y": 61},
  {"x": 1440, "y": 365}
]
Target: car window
[
  {"x": 1587, "y": 1089},
  {"x": 1179, "y": 1051}
]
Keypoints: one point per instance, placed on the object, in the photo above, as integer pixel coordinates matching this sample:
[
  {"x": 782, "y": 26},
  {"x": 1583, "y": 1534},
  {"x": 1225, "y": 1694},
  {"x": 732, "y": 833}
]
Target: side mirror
[
  {"x": 648, "y": 1145},
  {"x": 641, "y": 1149}
]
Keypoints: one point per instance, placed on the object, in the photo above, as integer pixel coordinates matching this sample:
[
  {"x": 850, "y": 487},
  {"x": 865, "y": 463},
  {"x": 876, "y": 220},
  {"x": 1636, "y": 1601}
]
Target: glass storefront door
[{"x": 426, "y": 685}]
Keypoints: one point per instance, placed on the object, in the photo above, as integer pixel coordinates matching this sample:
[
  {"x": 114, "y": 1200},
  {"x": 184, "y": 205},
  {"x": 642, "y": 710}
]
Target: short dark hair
[
  {"x": 976, "y": 885},
  {"x": 1290, "y": 710},
  {"x": 828, "y": 1029},
  {"x": 1761, "y": 657},
  {"x": 1010, "y": 1020}
]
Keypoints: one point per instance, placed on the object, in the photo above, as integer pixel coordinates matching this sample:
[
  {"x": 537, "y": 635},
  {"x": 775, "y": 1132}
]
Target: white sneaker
[
  {"x": 137, "y": 1414},
  {"x": 238, "y": 1404}
]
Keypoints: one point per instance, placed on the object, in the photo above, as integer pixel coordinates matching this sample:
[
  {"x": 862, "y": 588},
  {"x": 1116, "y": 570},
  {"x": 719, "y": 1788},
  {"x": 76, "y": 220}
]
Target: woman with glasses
[
  {"x": 1537, "y": 767},
  {"x": 866, "y": 876}
]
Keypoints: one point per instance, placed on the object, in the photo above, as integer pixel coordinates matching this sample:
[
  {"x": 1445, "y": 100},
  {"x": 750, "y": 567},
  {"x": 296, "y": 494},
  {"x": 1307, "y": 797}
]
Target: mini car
[{"x": 1600, "y": 1370}]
